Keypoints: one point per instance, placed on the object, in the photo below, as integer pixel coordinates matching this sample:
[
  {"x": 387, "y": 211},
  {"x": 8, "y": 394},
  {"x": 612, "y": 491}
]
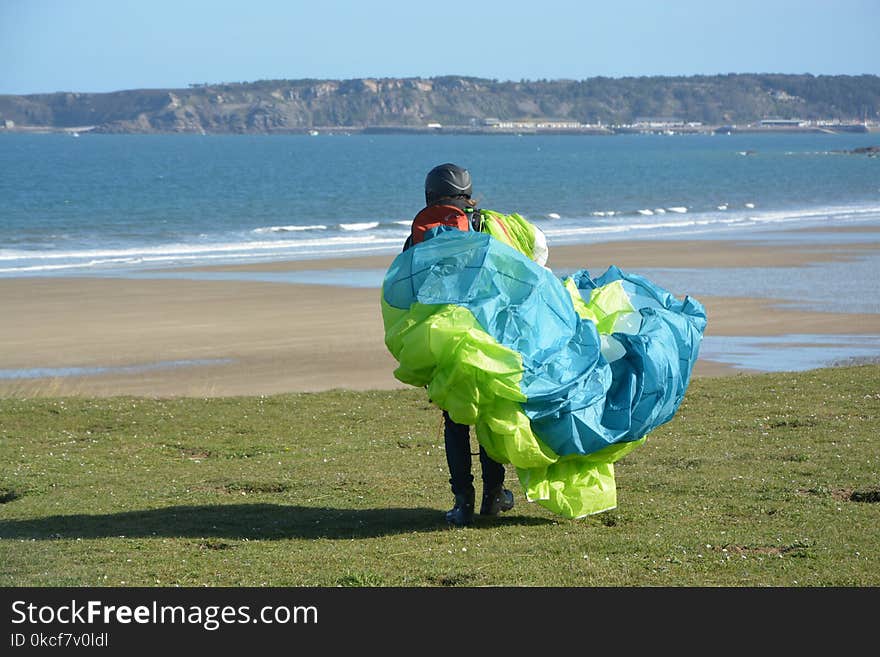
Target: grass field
[{"x": 766, "y": 480}]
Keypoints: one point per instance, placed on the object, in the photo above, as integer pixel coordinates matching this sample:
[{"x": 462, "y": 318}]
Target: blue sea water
[
  {"x": 100, "y": 204},
  {"x": 135, "y": 205}
]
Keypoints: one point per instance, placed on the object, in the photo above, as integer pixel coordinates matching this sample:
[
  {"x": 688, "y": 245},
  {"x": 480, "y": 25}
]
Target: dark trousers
[{"x": 458, "y": 457}]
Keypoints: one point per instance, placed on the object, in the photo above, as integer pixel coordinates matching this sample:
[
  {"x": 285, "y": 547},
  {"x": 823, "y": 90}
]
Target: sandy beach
[{"x": 252, "y": 338}]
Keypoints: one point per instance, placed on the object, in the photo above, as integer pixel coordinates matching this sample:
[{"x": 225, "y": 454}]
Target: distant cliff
[{"x": 297, "y": 105}]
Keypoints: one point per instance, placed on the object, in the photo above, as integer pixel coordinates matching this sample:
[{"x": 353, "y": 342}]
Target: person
[{"x": 449, "y": 206}]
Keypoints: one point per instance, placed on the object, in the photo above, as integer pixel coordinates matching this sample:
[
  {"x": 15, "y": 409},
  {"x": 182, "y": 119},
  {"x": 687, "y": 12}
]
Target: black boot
[
  {"x": 495, "y": 501},
  {"x": 462, "y": 513}
]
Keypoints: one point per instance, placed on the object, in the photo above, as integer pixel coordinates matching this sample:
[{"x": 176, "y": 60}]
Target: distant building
[
  {"x": 9, "y": 124},
  {"x": 658, "y": 122},
  {"x": 783, "y": 123},
  {"x": 558, "y": 125},
  {"x": 534, "y": 124},
  {"x": 778, "y": 94}
]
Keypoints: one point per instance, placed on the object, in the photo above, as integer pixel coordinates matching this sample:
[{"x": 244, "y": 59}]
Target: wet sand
[
  {"x": 631, "y": 254},
  {"x": 277, "y": 337}
]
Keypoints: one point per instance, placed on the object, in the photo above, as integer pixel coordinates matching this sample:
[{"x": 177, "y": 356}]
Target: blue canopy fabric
[{"x": 560, "y": 376}]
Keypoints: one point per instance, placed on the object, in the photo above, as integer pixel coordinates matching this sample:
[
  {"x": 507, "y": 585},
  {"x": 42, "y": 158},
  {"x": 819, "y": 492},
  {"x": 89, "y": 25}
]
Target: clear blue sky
[{"x": 106, "y": 45}]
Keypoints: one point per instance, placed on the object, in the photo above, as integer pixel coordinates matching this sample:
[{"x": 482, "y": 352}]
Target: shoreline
[
  {"x": 518, "y": 129},
  {"x": 641, "y": 254},
  {"x": 240, "y": 337}
]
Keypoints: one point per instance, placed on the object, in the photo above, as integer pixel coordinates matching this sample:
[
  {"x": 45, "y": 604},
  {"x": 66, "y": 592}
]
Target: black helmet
[{"x": 447, "y": 180}]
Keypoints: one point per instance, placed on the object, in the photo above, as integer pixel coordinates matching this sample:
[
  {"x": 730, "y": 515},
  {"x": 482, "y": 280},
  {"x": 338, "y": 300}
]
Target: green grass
[{"x": 767, "y": 480}]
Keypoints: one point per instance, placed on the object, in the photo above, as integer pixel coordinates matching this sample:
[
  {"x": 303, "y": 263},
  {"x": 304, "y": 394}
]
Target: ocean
[
  {"x": 123, "y": 204},
  {"x": 149, "y": 205}
]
